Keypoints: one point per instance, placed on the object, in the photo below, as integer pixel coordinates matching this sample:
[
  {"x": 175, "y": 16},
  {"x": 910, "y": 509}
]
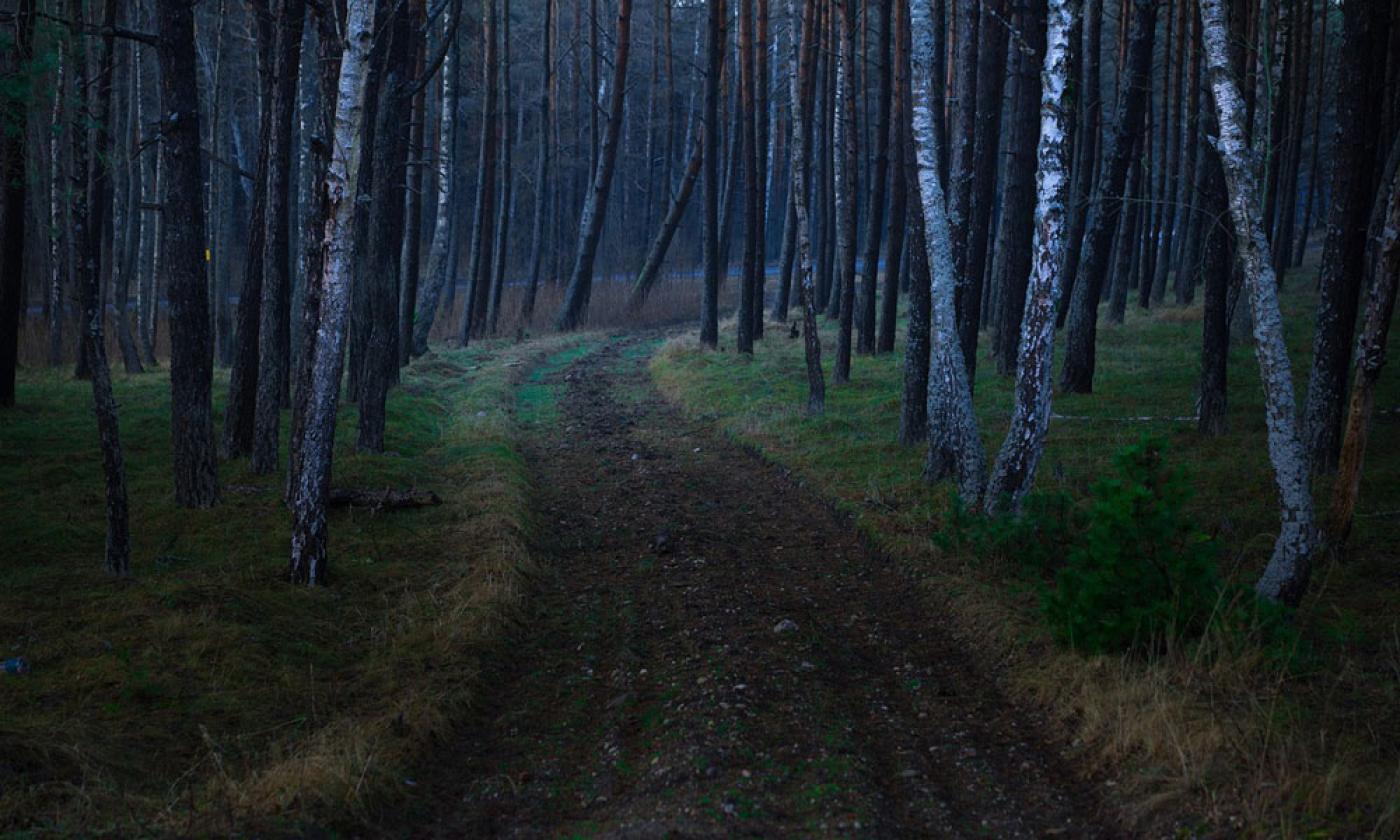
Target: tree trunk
[
  {"x": 440, "y": 273},
  {"x": 913, "y": 404},
  {"x": 709, "y": 297},
  {"x": 312, "y": 476},
  {"x": 656, "y": 255},
  {"x": 1086, "y": 153},
  {"x": 846, "y": 162},
  {"x": 503, "y": 210},
  {"x": 1370, "y": 358},
  {"x": 191, "y": 347},
  {"x": 1077, "y": 375},
  {"x": 1215, "y": 266},
  {"x": 1361, "y": 75},
  {"x": 542, "y": 191},
  {"x": 274, "y": 319},
  {"x": 799, "y": 89},
  {"x": 874, "y": 217},
  {"x": 1021, "y": 451},
  {"x": 595, "y": 208},
  {"x": 1016, "y": 232},
  {"x": 1286, "y": 577},
  {"x": 12, "y": 212},
  {"x": 899, "y": 205},
  {"x": 763, "y": 153},
  {"x": 410, "y": 247},
  {"x": 955, "y": 445},
  {"x": 747, "y": 146},
  {"x": 59, "y": 252},
  {"x": 484, "y": 221},
  {"x": 386, "y": 221}
]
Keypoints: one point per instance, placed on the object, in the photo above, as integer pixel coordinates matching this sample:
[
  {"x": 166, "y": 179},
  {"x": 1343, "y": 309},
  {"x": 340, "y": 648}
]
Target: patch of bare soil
[{"x": 712, "y": 652}]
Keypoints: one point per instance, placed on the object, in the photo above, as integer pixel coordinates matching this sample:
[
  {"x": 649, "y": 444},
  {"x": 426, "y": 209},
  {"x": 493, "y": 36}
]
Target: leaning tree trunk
[
  {"x": 274, "y": 312},
  {"x": 92, "y": 205},
  {"x": 1360, "y": 75},
  {"x": 1370, "y": 358},
  {"x": 954, "y": 443},
  {"x": 191, "y": 345},
  {"x": 656, "y": 255},
  {"x": 312, "y": 479},
  {"x": 440, "y": 272},
  {"x": 1014, "y": 473},
  {"x": 803, "y": 56},
  {"x": 1286, "y": 577},
  {"x": 595, "y": 208},
  {"x": 1077, "y": 374}
]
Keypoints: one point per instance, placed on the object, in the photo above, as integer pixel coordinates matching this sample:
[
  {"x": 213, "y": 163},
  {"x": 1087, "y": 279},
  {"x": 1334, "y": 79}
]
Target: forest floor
[{"x": 710, "y": 650}]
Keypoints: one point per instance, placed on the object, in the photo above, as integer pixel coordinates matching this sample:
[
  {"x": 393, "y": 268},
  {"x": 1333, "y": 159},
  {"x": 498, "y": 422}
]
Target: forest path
[{"x": 711, "y": 652}]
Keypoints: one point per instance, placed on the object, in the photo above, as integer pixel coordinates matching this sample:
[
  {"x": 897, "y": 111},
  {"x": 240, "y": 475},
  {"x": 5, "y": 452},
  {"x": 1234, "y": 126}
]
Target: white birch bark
[
  {"x": 1014, "y": 473},
  {"x": 800, "y": 69},
  {"x": 438, "y": 263},
  {"x": 1286, "y": 577},
  {"x": 954, "y": 443},
  {"x": 311, "y": 483}
]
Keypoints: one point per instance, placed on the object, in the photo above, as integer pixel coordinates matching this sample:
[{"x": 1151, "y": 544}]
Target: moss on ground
[
  {"x": 207, "y": 691},
  {"x": 1230, "y": 736}
]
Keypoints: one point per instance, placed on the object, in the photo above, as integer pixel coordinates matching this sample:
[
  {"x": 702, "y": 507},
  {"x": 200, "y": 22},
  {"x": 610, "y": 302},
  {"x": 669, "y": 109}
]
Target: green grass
[
  {"x": 207, "y": 689},
  {"x": 1290, "y": 752}
]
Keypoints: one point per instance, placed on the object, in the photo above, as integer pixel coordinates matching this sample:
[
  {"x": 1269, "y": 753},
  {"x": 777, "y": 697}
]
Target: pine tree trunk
[
  {"x": 1016, "y": 232},
  {"x": 595, "y": 208},
  {"x": 913, "y": 404},
  {"x": 312, "y": 474},
  {"x": 1354, "y": 160},
  {"x": 191, "y": 345},
  {"x": 747, "y": 147},
  {"x": 1286, "y": 577},
  {"x": 1086, "y": 154},
  {"x": 955, "y": 445},
  {"x": 274, "y": 318},
  {"x": 1077, "y": 374},
  {"x": 12, "y": 213},
  {"x": 709, "y": 298},
  {"x": 503, "y": 211},
  {"x": 763, "y": 155},
  {"x": 1021, "y": 451},
  {"x": 1370, "y": 358},
  {"x": 410, "y": 248},
  {"x": 542, "y": 191},
  {"x": 58, "y": 209},
  {"x": 874, "y": 217},
  {"x": 484, "y": 220},
  {"x": 656, "y": 254}
]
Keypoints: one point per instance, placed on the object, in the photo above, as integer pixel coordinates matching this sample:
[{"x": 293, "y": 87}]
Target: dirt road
[{"x": 711, "y": 652}]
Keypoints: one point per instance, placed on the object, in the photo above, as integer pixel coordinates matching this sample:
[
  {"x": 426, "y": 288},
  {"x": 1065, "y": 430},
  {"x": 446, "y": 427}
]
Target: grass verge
[
  {"x": 1228, "y": 736},
  {"x": 206, "y": 693}
]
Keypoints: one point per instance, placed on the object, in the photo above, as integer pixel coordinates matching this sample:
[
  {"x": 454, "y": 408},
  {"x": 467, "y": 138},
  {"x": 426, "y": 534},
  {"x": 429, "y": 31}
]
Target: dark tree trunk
[
  {"x": 12, "y": 170},
  {"x": 410, "y": 248},
  {"x": 746, "y": 145},
  {"x": 91, "y": 204},
  {"x": 847, "y": 159},
  {"x": 595, "y": 209},
  {"x": 1077, "y": 375},
  {"x": 240, "y": 410},
  {"x": 191, "y": 345},
  {"x": 762, "y": 149},
  {"x": 542, "y": 191},
  {"x": 913, "y": 404},
  {"x": 484, "y": 220},
  {"x": 274, "y": 321},
  {"x": 386, "y": 222},
  {"x": 656, "y": 255},
  {"x": 1016, "y": 232},
  {"x": 874, "y": 217},
  {"x": 503, "y": 210},
  {"x": 899, "y": 193},
  {"x": 709, "y": 301},
  {"x": 1216, "y": 260},
  {"x": 1354, "y": 163},
  {"x": 804, "y": 51}
]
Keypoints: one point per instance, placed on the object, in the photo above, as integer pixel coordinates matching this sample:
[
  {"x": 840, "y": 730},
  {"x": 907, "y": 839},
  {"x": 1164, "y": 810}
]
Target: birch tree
[
  {"x": 1014, "y": 472},
  {"x": 803, "y": 55},
  {"x": 439, "y": 270},
  {"x": 311, "y": 482},
  {"x": 954, "y": 443},
  {"x": 1285, "y": 579}
]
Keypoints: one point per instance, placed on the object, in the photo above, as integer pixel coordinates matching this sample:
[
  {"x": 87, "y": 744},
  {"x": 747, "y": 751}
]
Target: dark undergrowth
[
  {"x": 207, "y": 692},
  {"x": 1271, "y": 731}
]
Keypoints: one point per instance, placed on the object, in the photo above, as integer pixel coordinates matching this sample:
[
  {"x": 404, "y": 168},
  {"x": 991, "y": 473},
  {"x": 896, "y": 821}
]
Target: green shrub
[
  {"x": 1037, "y": 540},
  {"x": 1141, "y": 575}
]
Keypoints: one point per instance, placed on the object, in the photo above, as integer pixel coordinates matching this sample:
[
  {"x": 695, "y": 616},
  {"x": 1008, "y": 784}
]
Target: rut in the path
[{"x": 711, "y": 652}]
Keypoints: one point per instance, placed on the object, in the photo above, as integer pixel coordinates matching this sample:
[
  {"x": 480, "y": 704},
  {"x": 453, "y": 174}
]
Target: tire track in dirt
[{"x": 711, "y": 652}]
